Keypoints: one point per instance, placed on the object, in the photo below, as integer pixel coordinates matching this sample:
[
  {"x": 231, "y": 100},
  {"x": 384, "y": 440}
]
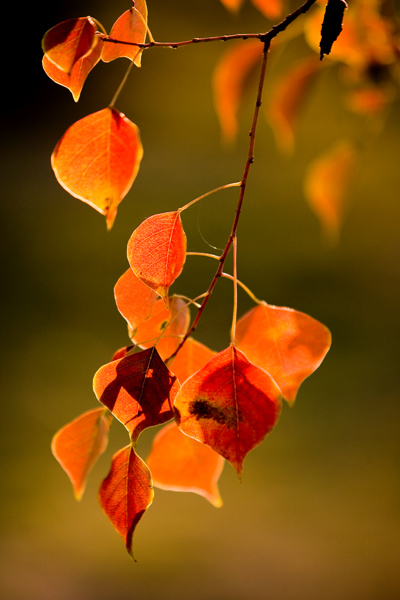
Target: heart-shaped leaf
[
  {"x": 129, "y": 27},
  {"x": 69, "y": 41}
]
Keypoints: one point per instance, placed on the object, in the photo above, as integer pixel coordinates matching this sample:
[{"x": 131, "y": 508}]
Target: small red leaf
[
  {"x": 97, "y": 160},
  {"x": 288, "y": 344},
  {"x": 138, "y": 389},
  {"x": 229, "y": 405},
  {"x": 78, "y": 445},
  {"x": 157, "y": 251},
  {"x": 180, "y": 463},
  {"x": 69, "y": 41},
  {"x": 126, "y": 493},
  {"x": 134, "y": 300},
  {"x": 192, "y": 357},
  {"x": 128, "y": 28}
]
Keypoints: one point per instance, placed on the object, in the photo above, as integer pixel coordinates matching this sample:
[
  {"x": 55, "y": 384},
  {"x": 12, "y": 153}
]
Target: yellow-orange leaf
[
  {"x": 232, "y": 5},
  {"x": 182, "y": 464},
  {"x": 97, "y": 160},
  {"x": 76, "y": 78},
  {"x": 134, "y": 300},
  {"x": 126, "y": 493},
  {"x": 229, "y": 80},
  {"x": 138, "y": 389},
  {"x": 288, "y": 344},
  {"x": 69, "y": 41},
  {"x": 230, "y": 405},
  {"x": 128, "y": 28},
  {"x": 270, "y": 8},
  {"x": 79, "y": 444},
  {"x": 326, "y": 185},
  {"x": 192, "y": 357},
  {"x": 157, "y": 251}
]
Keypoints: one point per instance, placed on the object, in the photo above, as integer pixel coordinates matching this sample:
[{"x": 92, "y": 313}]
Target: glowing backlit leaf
[
  {"x": 128, "y": 28},
  {"x": 78, "y": 445},
  {"x": 232, "y": 5},
  {"x": 173, "y": 322},
  {"x": 157, "y": 251},
  {"x": 369, "y": 100},
  {"x": 97, "y": 160},
  {"x": 270, "y": 8},
  {"x": 230, "y": 405},
  {"x": 191, "y": 358},
  {"x": 134, "y": 300},
  {"x": 288, "y": 344},
  {"x": 76, "y": 78},
  {"x": 126, "y": 493},
  {"x": 69, "y": 41},
  {"x": 326, "y": 185},
  {"x": 229, "y": 81},
  {"x": 138, "y": 389},
  {"x": 182, "y": 464}
]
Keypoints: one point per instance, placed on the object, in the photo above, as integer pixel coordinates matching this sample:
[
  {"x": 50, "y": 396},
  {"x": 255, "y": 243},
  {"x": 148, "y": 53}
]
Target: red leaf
[
  {"x": 134, "y": 300},
  {"x": 230, "y": 405},
  {"x": 97, "y": 160},
  {"x": 138, "y": 389},
  {"x": 76, "y": 78},
  {"x": 288, "y": 344},
  {"x": 157, "y": 251},
  {"x": 180, "y": 463},
  {"x": 269, "y": 8},
  {"x": 78, "y": 445},
  {"x": 126, "y": 493},
  {"x": 128, "y": 28},
  {"x": 192, "y": 357},
  {"x": 69, "y": 41}
]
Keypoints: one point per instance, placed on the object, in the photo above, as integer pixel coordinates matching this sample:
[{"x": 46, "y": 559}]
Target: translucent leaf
[
  {"x": 138, "y": 389},
  {"x": 269, "y": 8},
  {"x": 286, "y": 343},
  {"x": 78, "y": 445},
  {"x": 126, "y": 493},
  {"x": 97, "y": 160},
  {"x": 128, "y": 28},
  {"x": 230, "y": 405},
  {"x": 157, "y": 251},
  {"x": 192, "y": 357},
  {"x": 69, "y": 41},
  {"x": 182, "y": 464},
  {"x": 134, "y": 300}
]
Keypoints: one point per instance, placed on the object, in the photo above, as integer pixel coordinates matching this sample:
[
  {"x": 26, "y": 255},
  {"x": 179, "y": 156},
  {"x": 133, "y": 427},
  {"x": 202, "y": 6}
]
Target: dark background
[{"x": 317, "y": 514}]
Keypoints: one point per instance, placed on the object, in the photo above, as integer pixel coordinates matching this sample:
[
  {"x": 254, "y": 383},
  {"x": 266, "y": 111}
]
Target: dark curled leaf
[{"x": 331, "y": 25}]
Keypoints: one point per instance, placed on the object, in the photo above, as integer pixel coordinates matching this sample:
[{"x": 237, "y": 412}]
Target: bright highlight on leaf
[
  {"x": 97, "y": 160},
  {"x": 182, "y": 464},
  {"x": 288, "y": 344},
  {"x": 230, "y": 405},
  {"x": 134, "y": 300},
  {"x": 126, "y": 493},
  {"x": 233, "y": 5},
  {"x": 69, "y": 41},
  {"x": 138, "y": 389},
  {"x": 78, "y": 445},
  {"x": 157, "y": 251},
  {"x": 128, "y": 28}
]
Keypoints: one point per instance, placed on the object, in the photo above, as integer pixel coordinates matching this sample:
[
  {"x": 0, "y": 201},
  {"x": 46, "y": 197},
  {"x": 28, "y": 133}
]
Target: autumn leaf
[
  {"x": 182, "y": 464},
  {"x": 326, "y": 185},
  {"x": 134, "y": 300},
  {"x": 232, "y": 5},
  {"x": 230, "y": 405},
  {"x": 69, "y": 41},
  {"x": 76, "y": 78},
  {"x": 229, "y": 80},
  {"x": 192, "y": 357},
  {"x": 97, "y": 160},
  {"x": 288, "y": 344},
  {"x": 157, "y": 251},
  {"x": 128, "y": 28},
  {"x": 78, "y": 445},
  {"x": 138, "y": 389},
  {"x": 369, "y": 101},
  {"x": 126, "y": 493},
  {"x": 269, "y": 8}
]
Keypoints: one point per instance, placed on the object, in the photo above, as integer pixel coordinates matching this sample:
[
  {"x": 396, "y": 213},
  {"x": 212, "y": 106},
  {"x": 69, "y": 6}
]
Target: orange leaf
[
  {"x": 76, "y": 78},
  {"x": 288, "y": 344},
  {"x": 138, "y": 389},
  {"x": 230, "y": 405},
  {"x": 326, "y": 184},
  {"x": 126, "y": 493},
  {"x": 134, "y": 300},
  {"x": 97, "y": 160},
  {"x": 182, "y": 464},
  {"x": 69, "y": 41},
  {"x": 269, "y": 8},
  {"x": 173, "y": 322},
  {"x": 192, "y": 357},
  {"x": 78, "y": 445},
  {"x": 157, "y": 251},
  {"x": 287, "y": 99},
  {"x": 232, "y": 5},
  {"x": 369, "y": 100},
  {"x": 229, "y": 82},
  {"x": 128, "y": 28}
]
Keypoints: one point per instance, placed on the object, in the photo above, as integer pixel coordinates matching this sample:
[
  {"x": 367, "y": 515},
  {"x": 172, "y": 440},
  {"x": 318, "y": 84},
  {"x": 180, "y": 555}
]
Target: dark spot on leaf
[{"x": 203, "y": 409}]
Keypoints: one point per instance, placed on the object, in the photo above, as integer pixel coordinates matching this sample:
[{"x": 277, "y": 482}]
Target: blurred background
[{"x": 317, "y": 514}]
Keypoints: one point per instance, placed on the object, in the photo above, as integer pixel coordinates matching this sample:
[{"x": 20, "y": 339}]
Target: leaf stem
[
  {"x": 121, "y": 85},
  {"x": 243, "y": 286},
  {"x": 222, "y": 187},
  {"x": 235, "y": 294}
]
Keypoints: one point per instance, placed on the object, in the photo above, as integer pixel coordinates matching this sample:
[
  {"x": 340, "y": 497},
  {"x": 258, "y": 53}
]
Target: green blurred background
[{"x": 317, "y": 514}]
